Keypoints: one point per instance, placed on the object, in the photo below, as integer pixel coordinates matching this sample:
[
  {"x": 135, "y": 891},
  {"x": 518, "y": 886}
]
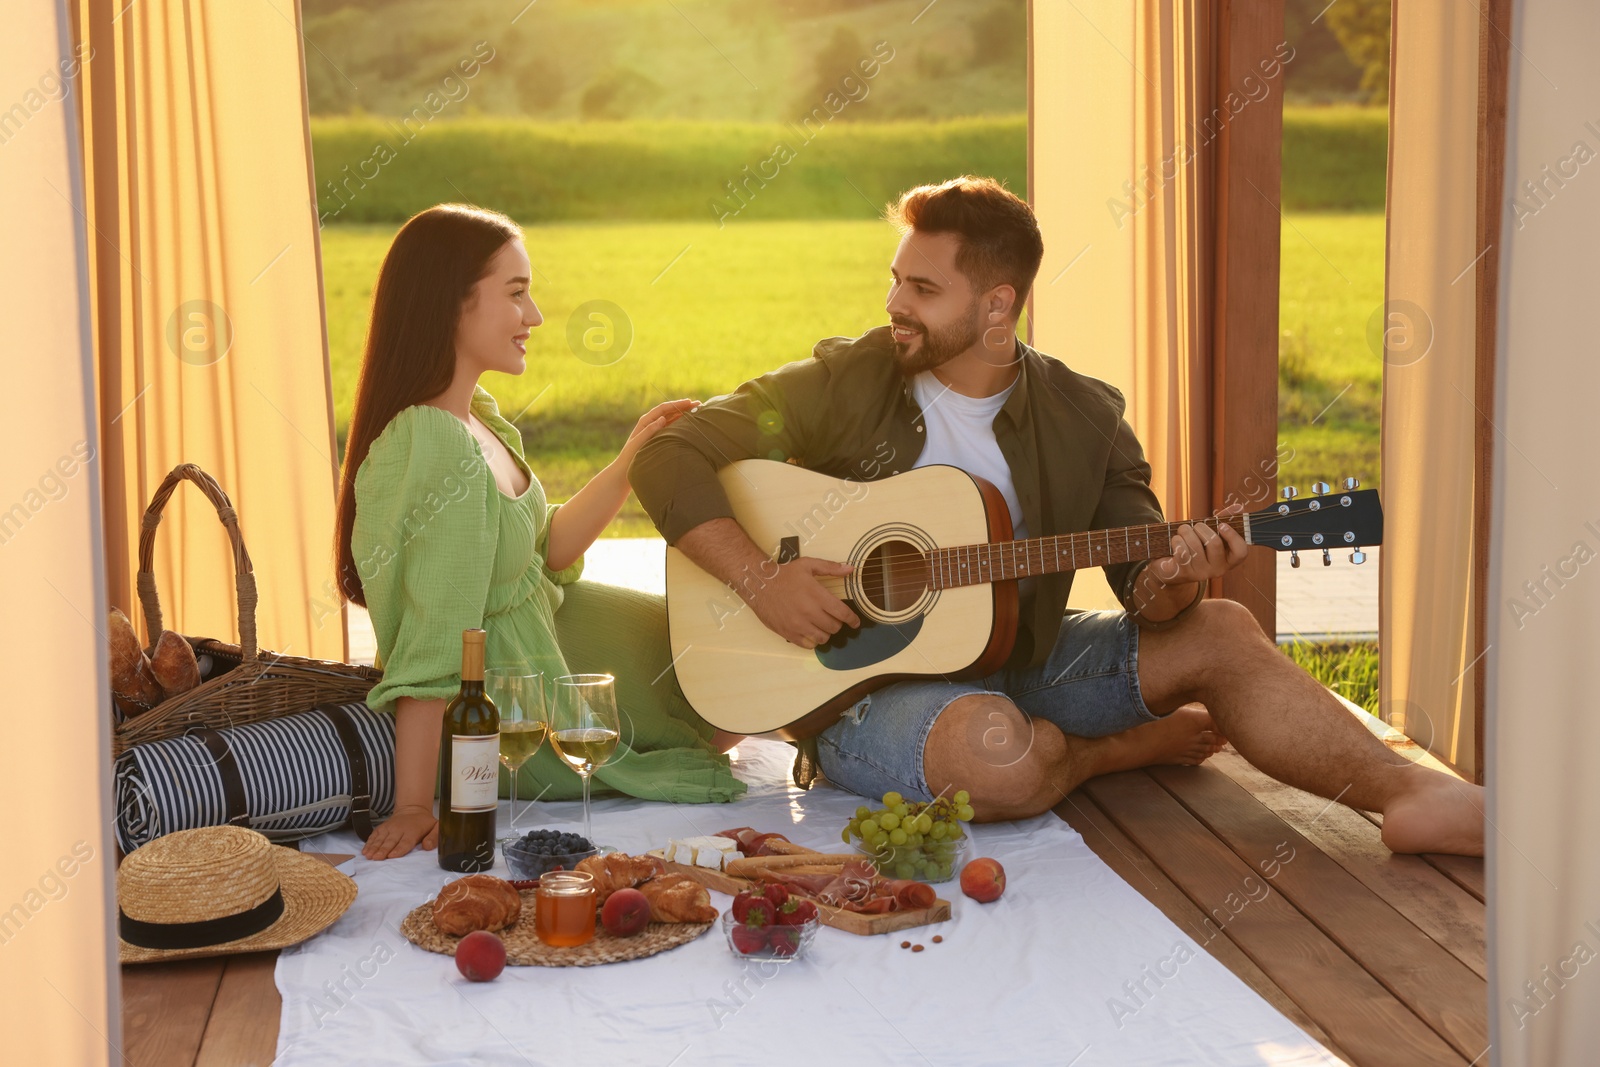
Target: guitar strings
[{"x": 922, "y": 566}]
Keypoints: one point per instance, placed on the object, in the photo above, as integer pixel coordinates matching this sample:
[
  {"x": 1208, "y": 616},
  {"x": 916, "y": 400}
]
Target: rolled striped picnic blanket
[{"x": 289, "y": 778}]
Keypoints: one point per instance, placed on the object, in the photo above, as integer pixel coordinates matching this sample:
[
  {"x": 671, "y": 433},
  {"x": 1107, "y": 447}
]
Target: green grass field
[{"x": 712, "y": 307}]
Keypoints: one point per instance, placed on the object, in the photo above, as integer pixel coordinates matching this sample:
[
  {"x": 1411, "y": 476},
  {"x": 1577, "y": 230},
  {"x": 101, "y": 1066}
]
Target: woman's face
[{"x": 497, "y": 315}]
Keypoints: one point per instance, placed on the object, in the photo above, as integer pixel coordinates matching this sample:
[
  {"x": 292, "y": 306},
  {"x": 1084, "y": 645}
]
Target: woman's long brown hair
[{"x": 435, "y": 260}]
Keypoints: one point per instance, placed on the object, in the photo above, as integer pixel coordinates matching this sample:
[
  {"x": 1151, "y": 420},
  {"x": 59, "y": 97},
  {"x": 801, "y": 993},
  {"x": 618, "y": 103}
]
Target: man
[{"x": 1084, "y": 693}]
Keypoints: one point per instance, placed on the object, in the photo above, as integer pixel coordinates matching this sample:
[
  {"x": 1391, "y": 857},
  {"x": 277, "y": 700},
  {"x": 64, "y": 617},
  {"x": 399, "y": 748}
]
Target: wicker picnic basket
[{"x": 246, "y": 684}]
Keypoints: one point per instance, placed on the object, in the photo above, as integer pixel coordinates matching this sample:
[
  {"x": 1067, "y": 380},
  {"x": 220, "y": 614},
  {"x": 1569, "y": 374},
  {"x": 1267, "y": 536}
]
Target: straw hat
[{"x": 219, "y": 890}]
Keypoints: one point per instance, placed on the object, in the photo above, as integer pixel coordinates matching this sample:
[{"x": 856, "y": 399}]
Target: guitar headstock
[{"x": 1350, "y": 518}]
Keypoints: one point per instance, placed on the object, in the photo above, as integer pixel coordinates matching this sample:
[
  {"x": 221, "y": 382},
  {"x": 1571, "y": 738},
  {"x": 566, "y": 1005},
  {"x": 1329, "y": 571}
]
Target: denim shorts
[{"x": 1088, "y": 687}]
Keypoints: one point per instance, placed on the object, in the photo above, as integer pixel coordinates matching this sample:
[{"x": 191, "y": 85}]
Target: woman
[{"x": 442, "y": 526}]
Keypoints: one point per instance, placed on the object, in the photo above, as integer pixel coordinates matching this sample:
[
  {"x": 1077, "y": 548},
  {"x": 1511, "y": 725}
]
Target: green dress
[{"x": 440, "y": 549}]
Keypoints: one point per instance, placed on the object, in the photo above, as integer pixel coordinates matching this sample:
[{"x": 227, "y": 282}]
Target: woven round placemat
[{"x": 524, "y": 949}]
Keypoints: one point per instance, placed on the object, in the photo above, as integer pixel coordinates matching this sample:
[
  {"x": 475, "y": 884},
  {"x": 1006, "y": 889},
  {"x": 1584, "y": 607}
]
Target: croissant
[
  {"x": 476, "y": 902},
  {"x": 677, "y": 898},
  {"x": 617, "y": 870}
]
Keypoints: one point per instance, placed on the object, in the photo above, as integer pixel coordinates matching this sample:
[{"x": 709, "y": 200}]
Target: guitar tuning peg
[
  {"x": 1320, "y": 488},
  {"x": 1290, "y": 492},
  {"x": 1350, "y": 484},
  {"x": 1358, "y": 557},
  {"x": 1294, "y": 557},
  {"x": 1327, "y": 560}
]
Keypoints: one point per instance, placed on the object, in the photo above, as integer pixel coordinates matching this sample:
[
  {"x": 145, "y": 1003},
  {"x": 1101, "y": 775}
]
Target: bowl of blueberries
[{"x": 538, "y": 852}]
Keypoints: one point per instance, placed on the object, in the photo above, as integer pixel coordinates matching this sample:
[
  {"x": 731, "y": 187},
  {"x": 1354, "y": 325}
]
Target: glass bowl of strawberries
[{"x": 768, "y": 923}]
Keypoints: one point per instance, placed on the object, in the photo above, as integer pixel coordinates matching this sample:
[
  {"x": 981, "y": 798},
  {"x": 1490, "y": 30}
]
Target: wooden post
[{"x": 1248, "y": 223}]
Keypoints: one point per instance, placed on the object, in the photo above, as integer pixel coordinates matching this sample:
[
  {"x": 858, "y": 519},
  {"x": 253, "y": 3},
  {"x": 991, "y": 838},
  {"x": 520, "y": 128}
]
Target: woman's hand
[
  {"x": 651, "y": 423},
  {"x": 401, "y": 832}
]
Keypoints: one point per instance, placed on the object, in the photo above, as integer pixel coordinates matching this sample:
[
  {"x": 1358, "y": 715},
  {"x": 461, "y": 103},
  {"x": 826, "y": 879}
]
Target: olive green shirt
[{"x": 848, "y": 412}]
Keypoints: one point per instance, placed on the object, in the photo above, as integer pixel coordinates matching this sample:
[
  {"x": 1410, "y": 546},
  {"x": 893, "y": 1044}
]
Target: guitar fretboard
[{"x": 1003, "y": 561}]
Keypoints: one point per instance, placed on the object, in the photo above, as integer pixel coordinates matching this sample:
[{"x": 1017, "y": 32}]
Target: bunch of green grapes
[{"x": 912, "y": 838}]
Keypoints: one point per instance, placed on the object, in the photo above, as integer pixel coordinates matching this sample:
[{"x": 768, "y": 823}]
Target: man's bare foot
[
  {"x": 1438, "y": 813},
  {"x": 1186, "y": 737}
]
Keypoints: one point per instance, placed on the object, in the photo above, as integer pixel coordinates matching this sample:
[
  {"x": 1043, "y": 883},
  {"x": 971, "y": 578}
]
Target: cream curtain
[
  {"x": 1136, "y": 110},
  {"x": 1426, "y": 620},
  {"x": 1121, "y": 189},
  {"x": 208, "y": 319},
  {"x": 1543, "y": 727},
  {"x": 57, "y": 959}
]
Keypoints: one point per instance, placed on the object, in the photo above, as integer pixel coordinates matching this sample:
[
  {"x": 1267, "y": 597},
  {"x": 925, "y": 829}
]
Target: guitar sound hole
[{"x": 894, "y": 577}]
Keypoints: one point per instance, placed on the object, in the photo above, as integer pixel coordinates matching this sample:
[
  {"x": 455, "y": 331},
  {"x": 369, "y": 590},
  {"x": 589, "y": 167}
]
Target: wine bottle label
[{"x": 474, "y": 772}]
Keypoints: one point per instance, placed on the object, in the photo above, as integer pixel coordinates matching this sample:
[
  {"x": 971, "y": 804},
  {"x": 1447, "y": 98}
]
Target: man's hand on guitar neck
[
  {"x": 787, "y": 598},
  {"x": 1199, "y": 554}
]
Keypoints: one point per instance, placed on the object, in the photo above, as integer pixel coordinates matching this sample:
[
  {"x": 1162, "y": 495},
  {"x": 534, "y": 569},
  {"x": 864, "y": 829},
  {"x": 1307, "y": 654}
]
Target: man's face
[{"x": 931, "y": 304}]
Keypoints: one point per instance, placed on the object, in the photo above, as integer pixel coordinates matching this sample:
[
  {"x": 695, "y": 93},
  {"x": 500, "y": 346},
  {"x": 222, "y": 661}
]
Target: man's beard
[{"x": 940, "y": 346}]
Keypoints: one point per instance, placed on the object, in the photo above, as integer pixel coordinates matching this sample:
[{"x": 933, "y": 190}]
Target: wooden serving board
[{"x": 850, "y": 921}]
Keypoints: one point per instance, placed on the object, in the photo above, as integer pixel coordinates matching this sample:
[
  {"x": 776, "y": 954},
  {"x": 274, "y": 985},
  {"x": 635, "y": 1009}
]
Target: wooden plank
[
  {"x": 849, "y": 921},
  {"x": 1244, "y": 318},
  {"x": 1365, "y": 1019},
  {"x": 164, "y": 1010},
  {"x": 1433, "y": 903},
  {"x": 1135, "y": 868},
  {"x": 1441, "y": 990},
  {"x": 243, "y": 1028}
]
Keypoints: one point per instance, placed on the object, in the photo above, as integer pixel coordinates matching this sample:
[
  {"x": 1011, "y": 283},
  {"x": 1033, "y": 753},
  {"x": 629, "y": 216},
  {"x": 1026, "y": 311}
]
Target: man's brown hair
[{"x": 1000, "y": 240}]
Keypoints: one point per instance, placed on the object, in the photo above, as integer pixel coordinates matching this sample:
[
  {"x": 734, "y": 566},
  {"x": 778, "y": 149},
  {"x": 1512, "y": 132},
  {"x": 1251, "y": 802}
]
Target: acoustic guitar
[{"x": 935, "y": 583}]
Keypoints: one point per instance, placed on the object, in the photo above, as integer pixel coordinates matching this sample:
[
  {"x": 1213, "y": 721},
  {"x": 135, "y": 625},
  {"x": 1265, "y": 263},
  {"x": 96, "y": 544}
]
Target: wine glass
[
  {"x": 585, "y": 727},
  {"x": 518, "y": 694}
]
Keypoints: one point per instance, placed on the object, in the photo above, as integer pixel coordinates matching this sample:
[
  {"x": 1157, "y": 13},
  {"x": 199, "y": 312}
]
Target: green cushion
[{"x": 665, "y": 752}]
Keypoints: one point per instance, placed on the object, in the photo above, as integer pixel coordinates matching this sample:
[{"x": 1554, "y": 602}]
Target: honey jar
[{"x": 563, "y": 908}]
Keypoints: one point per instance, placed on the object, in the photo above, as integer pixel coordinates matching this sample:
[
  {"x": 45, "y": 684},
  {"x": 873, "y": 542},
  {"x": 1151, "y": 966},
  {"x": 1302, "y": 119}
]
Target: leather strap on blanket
[
  {"x": 360, "y": 780},
  {"x": 238, "y": 813}
]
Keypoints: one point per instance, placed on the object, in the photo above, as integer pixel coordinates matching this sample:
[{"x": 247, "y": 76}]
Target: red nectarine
[
  {"x": 481, "y": 956},
  {"x": 983, "y": 880},
  {"x": 626, "y": 912}
]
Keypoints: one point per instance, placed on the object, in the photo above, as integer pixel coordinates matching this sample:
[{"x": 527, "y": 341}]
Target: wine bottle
[{"x": 469, "y": 766}]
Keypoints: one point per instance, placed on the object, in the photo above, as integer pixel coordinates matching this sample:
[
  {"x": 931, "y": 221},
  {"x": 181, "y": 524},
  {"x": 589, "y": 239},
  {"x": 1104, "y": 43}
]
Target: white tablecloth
[{"x": 1070, "y": 967}]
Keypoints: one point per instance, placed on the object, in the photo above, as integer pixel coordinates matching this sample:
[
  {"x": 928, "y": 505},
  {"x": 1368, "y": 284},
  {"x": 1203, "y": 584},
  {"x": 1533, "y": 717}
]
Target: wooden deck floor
[{"x": 1379, "y": 957}]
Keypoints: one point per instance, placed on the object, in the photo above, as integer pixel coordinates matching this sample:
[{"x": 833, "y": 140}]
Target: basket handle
[{"x": 244, "y": 574}]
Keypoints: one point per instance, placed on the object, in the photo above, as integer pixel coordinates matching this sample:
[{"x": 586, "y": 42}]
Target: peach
[
  {"x": 626, "y": 912},
  {"x": 481, "y": 956},
  {"x": 983, "y": 880}
]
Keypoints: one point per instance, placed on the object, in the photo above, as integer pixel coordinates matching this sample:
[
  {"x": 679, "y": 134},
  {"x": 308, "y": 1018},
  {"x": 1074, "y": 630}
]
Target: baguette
[
  {"x": 174, "y": 665},
  {"x": 131, "y": 677},
  {"x": 752, "y": 865}
]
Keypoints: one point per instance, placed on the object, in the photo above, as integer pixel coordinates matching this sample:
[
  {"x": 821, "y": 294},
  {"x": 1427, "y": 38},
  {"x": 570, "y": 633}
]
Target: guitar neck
[{"x": 1003, "y": 561}]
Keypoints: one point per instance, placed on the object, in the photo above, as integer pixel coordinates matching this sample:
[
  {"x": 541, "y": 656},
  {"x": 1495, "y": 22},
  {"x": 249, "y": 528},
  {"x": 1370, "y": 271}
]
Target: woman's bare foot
[{"x": 1438, "y": 813}]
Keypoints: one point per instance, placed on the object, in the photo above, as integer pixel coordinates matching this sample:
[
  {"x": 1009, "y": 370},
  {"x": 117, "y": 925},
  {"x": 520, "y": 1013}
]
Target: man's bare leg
[
  {"x": 1016, "y": 766},
  {"x": 1288, "y": 725},
  {"x": 1275, "y": 714}
]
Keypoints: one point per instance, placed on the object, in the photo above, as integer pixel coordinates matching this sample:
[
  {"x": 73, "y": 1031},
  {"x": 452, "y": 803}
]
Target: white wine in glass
[
  {"x": 585, "y": 727},
  {"x": 524, "y": 720}
]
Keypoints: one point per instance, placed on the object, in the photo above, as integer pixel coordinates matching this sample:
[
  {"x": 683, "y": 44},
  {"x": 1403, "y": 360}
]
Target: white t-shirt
[{"x": 960, "y": 432}]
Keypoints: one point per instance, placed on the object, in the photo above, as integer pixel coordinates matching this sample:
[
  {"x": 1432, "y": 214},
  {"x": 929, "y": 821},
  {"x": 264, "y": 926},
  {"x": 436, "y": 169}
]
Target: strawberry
[
  {"x": 776, "y": 894},
  {"x": 785, "y": 940},
  {"x": 796, "y": 911},
  {"x": 751, "y": 908},
  {"x": 749, "y": 939}
]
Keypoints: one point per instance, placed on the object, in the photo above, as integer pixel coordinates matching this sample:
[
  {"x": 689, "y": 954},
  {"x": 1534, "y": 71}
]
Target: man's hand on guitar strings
[
  {"x": 797, "y": 607},
  {"x": 1200, "y": 553}
]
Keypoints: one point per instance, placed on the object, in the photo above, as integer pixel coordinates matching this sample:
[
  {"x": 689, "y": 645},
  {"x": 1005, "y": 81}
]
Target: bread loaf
[
  {"x": 174, "y": 665},
  {"x": 476, "y": 902},
  {"x": 131, "y": 676}
]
